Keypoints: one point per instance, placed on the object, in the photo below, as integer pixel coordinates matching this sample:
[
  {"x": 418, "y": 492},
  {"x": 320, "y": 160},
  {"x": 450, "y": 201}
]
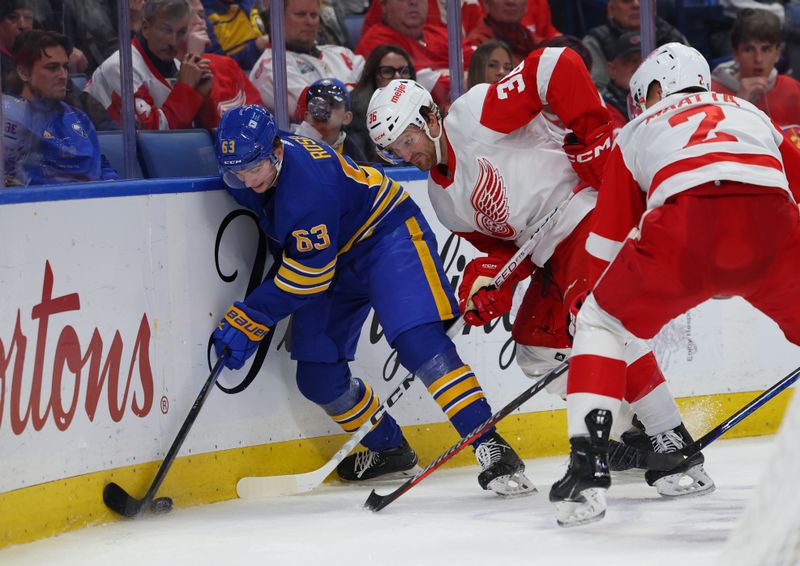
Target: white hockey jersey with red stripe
[
  {"x": 159, "y": 103},
  {"x": 678, "y": 144},
  {"x": 507, "y": 175}
]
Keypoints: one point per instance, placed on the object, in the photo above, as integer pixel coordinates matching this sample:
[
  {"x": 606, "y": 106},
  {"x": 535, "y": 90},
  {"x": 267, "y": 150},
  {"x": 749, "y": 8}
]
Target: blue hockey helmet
[{"x": 245, "y": 137}]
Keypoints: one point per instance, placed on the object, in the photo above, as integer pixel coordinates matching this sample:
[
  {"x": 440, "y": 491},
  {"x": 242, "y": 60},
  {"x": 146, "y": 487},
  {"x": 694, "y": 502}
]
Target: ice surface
[{"x": 446, "y": 520}]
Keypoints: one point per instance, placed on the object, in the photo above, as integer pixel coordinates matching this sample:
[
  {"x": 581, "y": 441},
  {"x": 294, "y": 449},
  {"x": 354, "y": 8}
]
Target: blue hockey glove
[{"x": 240, "y": 330}]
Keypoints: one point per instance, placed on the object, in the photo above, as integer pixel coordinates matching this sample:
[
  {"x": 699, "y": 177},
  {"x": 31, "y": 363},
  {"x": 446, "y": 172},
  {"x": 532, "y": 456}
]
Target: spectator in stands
[
  {"x": 503, "y": 21},
  {"x": 623, "y": 16},
  {"x": 327, "y": 115},
  {"x": 166, "y": 95},
  {"x": 332, "y": 29},
  {"x": 757, "y": 41},
  {"x": 306, "y": 61},
  {"x": 52, "y": 142},
  {"x": 575, "y": 44},
  {"x": 230, "y": 87},
  {"x": 384, "y": 64},
  {"x": 16, "y": 16},
  {"x": 91, "y": 26},
  {"x": 625, "y": 57},
  {"x": 404, "y": 25},
  {"x": 492, "y": 61},
  {"x": 237, "y": 30},
  {"x": 537, "y": 17}
]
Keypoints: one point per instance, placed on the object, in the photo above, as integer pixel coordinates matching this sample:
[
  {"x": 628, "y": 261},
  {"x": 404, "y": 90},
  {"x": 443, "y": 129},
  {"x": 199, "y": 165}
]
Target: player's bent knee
[
  {"x": 321, "y": 382},
  {"x": 417, "y": 346}
]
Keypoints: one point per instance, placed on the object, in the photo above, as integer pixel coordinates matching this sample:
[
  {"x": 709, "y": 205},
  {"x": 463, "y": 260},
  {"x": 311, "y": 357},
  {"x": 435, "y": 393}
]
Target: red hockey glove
[
  {"x": 589, "y": 158},
  {"x": 478, "y": 300},
  {"x": 574, "y": 307}
]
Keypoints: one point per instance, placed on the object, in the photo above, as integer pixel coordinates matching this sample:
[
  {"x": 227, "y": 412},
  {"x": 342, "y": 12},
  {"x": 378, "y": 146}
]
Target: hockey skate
[
  {"x": 689, "y": 478},
  {"x": 580, "y": 496},
  {"x": 635, "y": 436},
  {"x": 502, "y": 471},
  {"x": 394, "y": 463}
]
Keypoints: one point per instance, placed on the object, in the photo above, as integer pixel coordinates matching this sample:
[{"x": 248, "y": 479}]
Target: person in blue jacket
[
  {"x": 45, "y": 139},
  {"x": 351, "y": 239}
]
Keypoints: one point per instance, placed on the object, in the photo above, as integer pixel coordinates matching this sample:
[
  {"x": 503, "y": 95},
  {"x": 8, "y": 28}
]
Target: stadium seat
[
  {"x": 695, "y": 18},
  {"x": 177, "y": 153},
  {"x": 111, "y": 147},
  {"x": 78, "y": 80},
  {"x": 353, "y": 25}
]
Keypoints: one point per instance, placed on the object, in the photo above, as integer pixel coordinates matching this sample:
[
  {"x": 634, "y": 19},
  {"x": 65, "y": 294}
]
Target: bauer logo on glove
[
  {"x": 240, "y": 331},
  {"x": 238, "y": 319}
]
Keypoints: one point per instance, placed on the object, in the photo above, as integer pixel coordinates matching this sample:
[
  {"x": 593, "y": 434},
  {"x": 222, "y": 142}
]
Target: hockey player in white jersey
[
  {"x": 698, "y": 200},
  {"x": 502, "y": 171}
]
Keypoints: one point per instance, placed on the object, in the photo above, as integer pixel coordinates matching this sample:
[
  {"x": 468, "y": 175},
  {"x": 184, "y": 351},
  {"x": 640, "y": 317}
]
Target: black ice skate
[
  {"x": 394, "y": 463},
  {"x": 580, "y": 496},
  {"x": 689, "y": 478},
  {"x": 502, "y": 471},
  {"x": 636, "y": 437}
]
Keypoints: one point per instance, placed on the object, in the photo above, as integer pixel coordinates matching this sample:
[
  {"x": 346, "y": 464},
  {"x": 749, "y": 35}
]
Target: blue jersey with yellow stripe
[{"x": 324, "y": 210}]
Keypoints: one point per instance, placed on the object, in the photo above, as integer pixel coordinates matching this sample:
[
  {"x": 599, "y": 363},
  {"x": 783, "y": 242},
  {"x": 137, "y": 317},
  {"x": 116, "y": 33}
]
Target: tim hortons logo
[
  {"x": 77, "y": 375},
  {"x": 490, "y": 201}
]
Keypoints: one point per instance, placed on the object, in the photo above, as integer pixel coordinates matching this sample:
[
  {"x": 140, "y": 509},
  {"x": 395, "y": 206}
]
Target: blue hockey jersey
[
  {"x": 50, "y": 143},
  {"x": 323, "y": 212}
]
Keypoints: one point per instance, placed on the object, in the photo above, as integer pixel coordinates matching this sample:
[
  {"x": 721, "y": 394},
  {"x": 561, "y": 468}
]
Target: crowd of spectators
[{"x": 194, "y": 59}]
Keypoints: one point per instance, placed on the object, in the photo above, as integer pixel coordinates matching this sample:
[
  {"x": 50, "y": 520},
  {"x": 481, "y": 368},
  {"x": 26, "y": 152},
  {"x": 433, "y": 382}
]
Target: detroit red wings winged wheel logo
[{"x": 490, "y": 201}]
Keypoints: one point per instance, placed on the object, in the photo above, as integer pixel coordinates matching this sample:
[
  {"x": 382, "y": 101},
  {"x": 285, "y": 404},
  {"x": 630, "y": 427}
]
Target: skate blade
[
  {"x": 589, "y": 508},
  {"x": 511, "y": 486},
  {"x": 693, "y": 483},
  {"x": 393, "y": 477}
]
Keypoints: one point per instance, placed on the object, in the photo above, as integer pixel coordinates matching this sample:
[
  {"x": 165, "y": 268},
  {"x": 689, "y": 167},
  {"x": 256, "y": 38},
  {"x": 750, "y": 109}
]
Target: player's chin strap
[{"x": 435, "y": 140}]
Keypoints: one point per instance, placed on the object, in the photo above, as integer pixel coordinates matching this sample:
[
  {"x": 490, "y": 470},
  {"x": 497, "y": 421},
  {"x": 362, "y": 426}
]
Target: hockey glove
[
  {"x": 480, "y": 301},
  {"x": 574, "y": 308},
  {"x": 588, "y": 158},
  {"x": 240, "y": 330}
]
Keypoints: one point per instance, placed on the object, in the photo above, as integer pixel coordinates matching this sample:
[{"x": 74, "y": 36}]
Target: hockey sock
[
  {"x": 349, "y": 401},
  {"x": 455, "y": 388},
  {"x": 648, "y": 394}
]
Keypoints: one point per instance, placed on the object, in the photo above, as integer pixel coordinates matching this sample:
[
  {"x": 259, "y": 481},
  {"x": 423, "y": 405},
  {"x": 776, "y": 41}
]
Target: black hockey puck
[{"x": 161, "y": 505}]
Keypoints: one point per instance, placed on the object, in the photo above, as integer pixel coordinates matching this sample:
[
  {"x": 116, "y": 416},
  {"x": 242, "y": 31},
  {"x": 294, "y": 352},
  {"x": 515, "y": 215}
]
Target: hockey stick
[
  {"x": 671, "y": 460},
  {"x": 377, "y": 502},
  {"x": 290, "y": 484},
  {"x": 119, "y": 501}
]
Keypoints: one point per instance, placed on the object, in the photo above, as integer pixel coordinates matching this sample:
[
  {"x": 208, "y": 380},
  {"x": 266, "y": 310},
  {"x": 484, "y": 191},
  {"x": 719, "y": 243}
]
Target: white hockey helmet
[
  {"x": 395, "y": 107},
  {"x": 675, "y": 67}
]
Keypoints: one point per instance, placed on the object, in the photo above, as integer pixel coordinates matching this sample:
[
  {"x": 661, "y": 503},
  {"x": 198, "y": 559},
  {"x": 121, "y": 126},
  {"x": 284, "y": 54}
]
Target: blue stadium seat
[
  {"x": 177, "y": 153},
  {"x": 111, "y": 147},
  {"x": 353, "y": 24},
  {"x": 78, "y": 80},
  {"x": 694, "y": 18}
]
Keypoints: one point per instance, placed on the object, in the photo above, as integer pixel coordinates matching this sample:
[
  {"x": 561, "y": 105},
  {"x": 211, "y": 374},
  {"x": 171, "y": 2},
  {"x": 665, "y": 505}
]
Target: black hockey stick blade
[
  {"x": 376, "y": 502},
  {"x": 119, "y": 501},
  {"x": 122, "y": 503},
  {"x": 664, "y": 462}
]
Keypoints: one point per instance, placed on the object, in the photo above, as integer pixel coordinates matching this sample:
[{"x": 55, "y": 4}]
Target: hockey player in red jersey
[
  {"x": 512, "y": 161},
  {"x": 699, "y": 200}
]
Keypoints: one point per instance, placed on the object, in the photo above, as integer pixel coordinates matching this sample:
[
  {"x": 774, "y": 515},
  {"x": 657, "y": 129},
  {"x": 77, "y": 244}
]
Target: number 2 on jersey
[{"x": 713, "y": 115}]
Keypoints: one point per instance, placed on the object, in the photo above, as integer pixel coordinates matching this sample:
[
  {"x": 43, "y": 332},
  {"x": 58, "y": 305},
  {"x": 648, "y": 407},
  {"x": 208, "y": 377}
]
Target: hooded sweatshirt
[{"x": 781, "y": 101}]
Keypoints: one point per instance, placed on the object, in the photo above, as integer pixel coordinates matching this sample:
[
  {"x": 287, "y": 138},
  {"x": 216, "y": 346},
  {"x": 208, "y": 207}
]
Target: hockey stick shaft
[
  {"x": 377, "y": 502},
  {"x": 671, "y": 460},
  {"x": 118, "y": 500},
  {"x": 267, "y": 486}
]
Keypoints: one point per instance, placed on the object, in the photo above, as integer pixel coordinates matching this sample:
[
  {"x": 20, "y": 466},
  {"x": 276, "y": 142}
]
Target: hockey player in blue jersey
[{"x": 350, "y": 239}]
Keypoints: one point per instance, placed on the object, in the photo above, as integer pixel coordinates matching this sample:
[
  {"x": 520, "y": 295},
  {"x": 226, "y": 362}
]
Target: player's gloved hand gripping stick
[{"x": 266, "y": 486}]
